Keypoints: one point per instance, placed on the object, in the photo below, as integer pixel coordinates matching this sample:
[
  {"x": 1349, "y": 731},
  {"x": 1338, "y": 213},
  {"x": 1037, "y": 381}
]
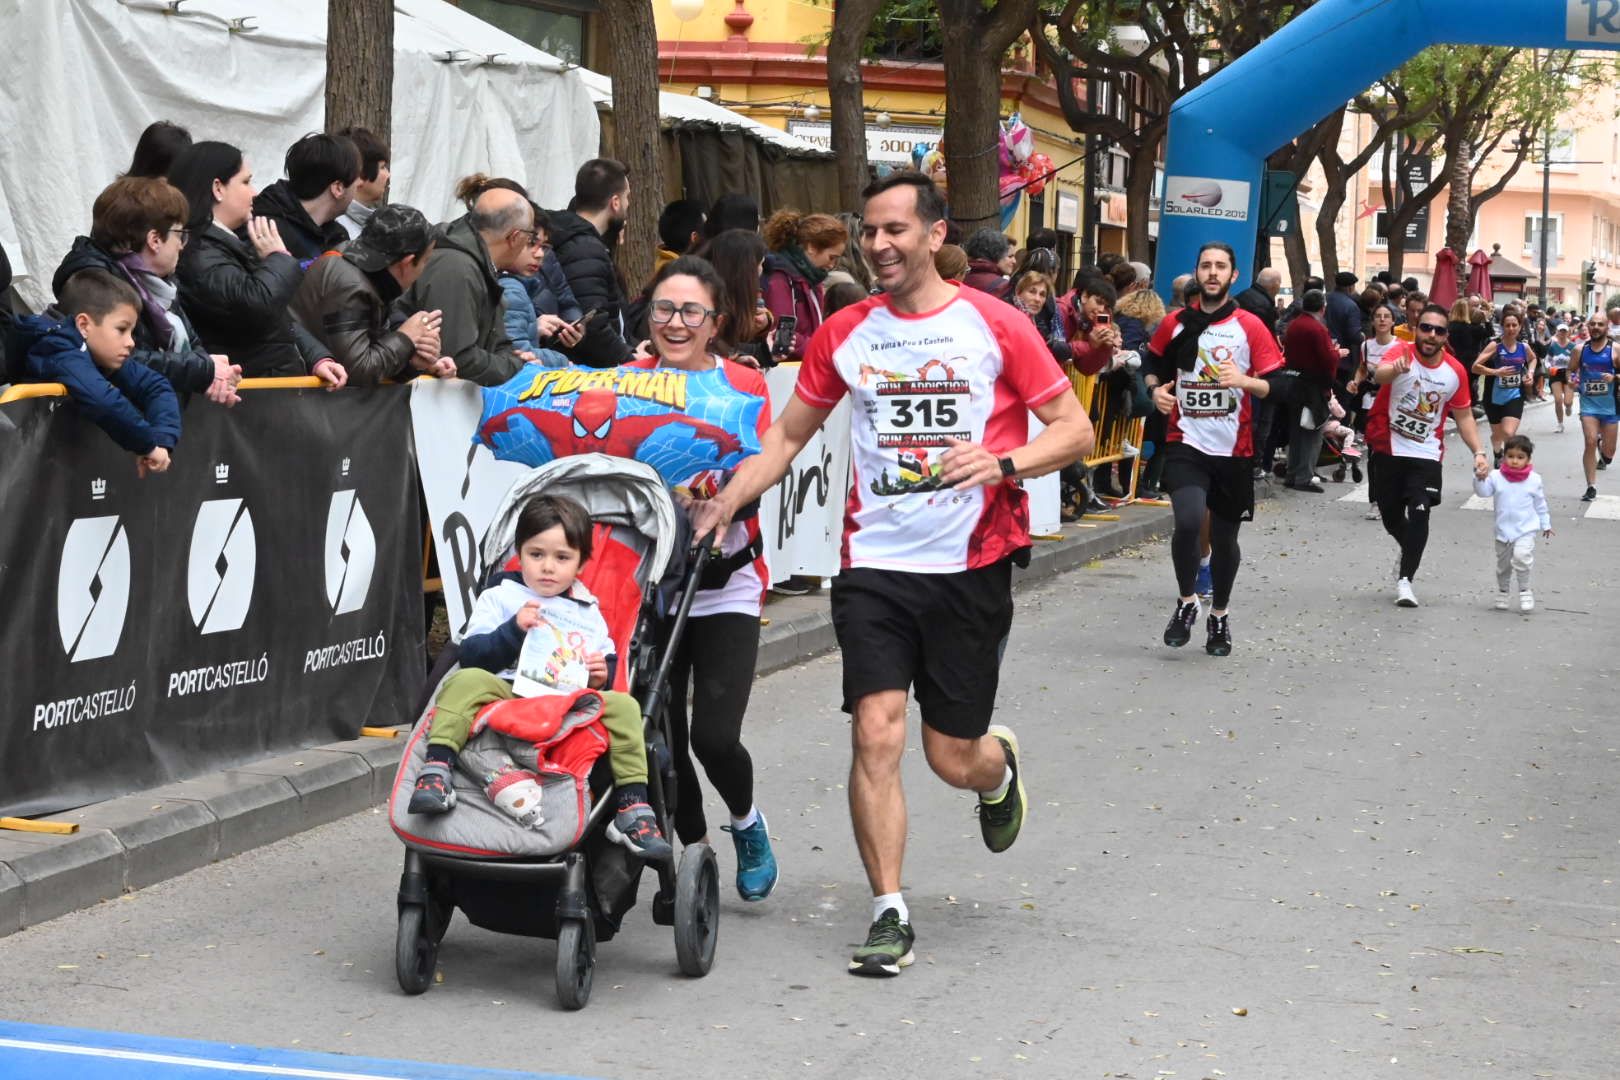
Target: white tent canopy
[{"x": 89, "y": 75}]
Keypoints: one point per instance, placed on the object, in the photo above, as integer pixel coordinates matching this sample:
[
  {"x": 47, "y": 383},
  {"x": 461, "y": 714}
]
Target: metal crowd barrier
[{"x": 1110, "y": 417}]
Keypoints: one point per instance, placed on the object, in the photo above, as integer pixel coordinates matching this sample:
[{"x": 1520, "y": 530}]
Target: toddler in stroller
[{"x": 539, "y": 626}]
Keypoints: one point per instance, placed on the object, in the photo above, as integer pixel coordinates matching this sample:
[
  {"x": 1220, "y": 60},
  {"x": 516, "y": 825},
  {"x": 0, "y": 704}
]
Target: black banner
[{"x": 262, "y": 596}]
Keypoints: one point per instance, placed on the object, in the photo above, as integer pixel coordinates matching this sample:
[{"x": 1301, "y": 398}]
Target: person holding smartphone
[{"x": 803, "y": 249}]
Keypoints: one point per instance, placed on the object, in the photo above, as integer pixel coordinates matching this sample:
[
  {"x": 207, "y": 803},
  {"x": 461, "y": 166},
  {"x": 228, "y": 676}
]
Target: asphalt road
[{"x": 1371, "y": 843}]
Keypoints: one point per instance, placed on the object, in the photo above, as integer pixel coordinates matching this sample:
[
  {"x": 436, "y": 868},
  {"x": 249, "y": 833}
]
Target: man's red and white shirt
[
  {"x": 1408, "y": 417},
  {"x": 970, "y": 370},
  {"x": 1207, "y": 416}
]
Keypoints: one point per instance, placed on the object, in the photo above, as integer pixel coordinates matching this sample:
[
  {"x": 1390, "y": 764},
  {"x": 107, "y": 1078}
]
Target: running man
[
  {"x": 1418, "y": 384},
  {"x": 1593, "y": 370},
  {"x": 1209, "y": 358},
  {"x": 942, "y": 381}
]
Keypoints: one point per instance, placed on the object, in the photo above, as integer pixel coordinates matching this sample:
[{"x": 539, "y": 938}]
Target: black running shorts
[
  {"x": 942, "y": 634},
  {"x": 1495, "y": 414},
  {"x": 1403, "y": 480},
  {"x": 1228, "y": 482},
  {"x": 1559, "y": 375}
]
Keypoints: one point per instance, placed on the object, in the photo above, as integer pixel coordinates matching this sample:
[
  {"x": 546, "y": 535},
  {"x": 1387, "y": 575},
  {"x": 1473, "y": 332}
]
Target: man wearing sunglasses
[{"x": 1418, "y": 384}]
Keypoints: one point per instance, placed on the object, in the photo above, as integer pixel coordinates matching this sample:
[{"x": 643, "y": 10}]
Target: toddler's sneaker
[
  {"x": 756, "y": 863},
  {"x": 636, "y": 827},
  {"x": 1501, "y": 601},
  {"x": 517, "y": 792},
  {"x": 1527, "y": 602},
  {"x": 433, "y": 794}
]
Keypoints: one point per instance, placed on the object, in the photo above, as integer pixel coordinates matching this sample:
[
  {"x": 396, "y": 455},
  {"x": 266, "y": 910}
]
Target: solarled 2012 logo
[{"x": 92, "y": 588}]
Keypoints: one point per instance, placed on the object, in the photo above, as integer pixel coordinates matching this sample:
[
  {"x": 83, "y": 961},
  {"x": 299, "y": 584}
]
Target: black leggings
[
  {"x": 1408, "y": 523},
  {"x": 1189, "y": 506},
  {"x": 716, "y": 658}
]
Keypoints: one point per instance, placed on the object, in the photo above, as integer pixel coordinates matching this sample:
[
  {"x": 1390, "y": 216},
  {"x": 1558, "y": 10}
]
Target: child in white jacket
[{"x": 1521, "y": 510}]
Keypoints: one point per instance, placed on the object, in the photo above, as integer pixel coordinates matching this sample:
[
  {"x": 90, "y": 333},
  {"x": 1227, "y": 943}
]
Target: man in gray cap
[
  {"x": 344, "y": 300},
  {"x": 1343, "y": 316}
]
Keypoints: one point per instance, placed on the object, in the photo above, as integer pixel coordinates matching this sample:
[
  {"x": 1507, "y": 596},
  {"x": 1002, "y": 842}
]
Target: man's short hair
[
  {"x": 1314, "y": 301},
  {"x": 597, "y": 181},
  {"x": 1435, "y": 309},
  {"x": 132, "y": 206},
  {"x": 1042, "y": 238},
  {"x": 1217, "y": 245},
  {"x": 678, "y": 222},
  {"x": 734, "y": 210},
  {"x": 97, "y": 293},
  {"x": 373, "y": 151},
  {"x": 930, "y": 202},
  {"x": 988, "y": 244},
  {"x": 317, "y": 161}
]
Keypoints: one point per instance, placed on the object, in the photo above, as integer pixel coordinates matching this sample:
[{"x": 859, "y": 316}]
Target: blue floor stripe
[{"x": 34, "y": 1052}]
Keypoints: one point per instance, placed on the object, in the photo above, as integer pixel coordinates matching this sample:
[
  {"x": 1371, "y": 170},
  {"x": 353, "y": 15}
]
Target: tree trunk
[
  {"x": 1459, "y": 214},
  {"x": 972, "y": 124},
  {"x": 1327, "y": 228},
  {"x": 1298, "y": 255},
  {"x": 633, "y": 39},
  {"x": 974, "y": 39},
  {"x": 1139, "y": 201},
  {"x": 360, "y": 65},
  {"x": 851, "y": 20}
]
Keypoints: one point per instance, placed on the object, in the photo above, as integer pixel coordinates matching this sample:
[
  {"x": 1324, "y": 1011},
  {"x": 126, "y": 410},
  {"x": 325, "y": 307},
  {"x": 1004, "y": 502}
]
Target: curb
[{"x": 141, "y": 839}]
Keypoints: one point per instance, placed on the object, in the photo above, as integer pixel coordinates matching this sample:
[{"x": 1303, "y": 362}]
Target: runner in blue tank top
[
  {"x": 1508, "y": 363},
  {"x": 1594, "y": 374}
]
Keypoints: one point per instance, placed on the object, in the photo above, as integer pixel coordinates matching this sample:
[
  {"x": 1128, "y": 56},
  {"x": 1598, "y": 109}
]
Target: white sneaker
[
  {"x": 1527, "y": 602},
  {"x": 1404, "y": 596},
  {"x": 1127, "y": 449},
  {"x": 1501, "y": 601}
]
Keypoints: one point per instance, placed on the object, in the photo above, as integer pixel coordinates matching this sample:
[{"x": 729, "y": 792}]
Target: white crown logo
[
  {"x": 345, "y": 466},
  {"x": 222, "y": 473},
  {"x": 98, "y": 488}
]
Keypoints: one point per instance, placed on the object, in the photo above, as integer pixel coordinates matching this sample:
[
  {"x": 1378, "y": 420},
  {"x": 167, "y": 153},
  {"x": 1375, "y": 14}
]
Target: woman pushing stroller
[{"x": 541, "y": 602}]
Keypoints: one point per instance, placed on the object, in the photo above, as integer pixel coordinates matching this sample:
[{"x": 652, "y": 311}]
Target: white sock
[
  {"x": 1001, "y": 792},
  {"x": 894, "y": 900},
  {"x": 747, "y": 820}
]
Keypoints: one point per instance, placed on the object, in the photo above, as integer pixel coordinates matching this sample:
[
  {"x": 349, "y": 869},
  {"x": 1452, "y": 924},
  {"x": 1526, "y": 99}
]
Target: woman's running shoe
[
  {"x": 1404, "y": 596},
  {"x": 1179, "y": 630},
  {"x": 1219, "y": 642},
  {"x": 756, "y": 863},
  {"x": 887, "y": 948},
  {"x": 1590, "y": 496}
]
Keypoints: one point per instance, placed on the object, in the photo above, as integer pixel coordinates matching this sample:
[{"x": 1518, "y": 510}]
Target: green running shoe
[
  {"x": 1000, "y": 821},
  {"x": 887, "y": 948}
]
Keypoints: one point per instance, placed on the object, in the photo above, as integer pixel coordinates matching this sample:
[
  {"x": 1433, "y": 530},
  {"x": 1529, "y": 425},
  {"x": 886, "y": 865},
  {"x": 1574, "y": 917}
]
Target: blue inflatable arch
[{"x": 1222, "y": 132}]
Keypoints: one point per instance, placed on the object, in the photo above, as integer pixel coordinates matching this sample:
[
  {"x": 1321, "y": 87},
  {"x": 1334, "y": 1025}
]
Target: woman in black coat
[{"x": 237, "y": 292}]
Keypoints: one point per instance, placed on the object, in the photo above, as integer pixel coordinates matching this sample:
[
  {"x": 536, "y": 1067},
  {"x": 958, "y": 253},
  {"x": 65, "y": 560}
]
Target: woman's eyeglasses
[{"x": 692, "y": 315}]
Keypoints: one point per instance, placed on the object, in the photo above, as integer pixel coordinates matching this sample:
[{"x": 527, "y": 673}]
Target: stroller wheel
[
  {"x": 697, "y": 910},
  {"x": 576, "y": 962},
  {"x": 416, "y": 953}
]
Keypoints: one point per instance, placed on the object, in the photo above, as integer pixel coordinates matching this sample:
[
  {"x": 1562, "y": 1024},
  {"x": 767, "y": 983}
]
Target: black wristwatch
[{"x": 1009, "y": 471}]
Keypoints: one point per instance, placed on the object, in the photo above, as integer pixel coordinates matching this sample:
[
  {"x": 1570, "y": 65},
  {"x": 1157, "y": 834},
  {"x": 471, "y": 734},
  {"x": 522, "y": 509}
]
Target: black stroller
[{"x": 570, "y": 883}]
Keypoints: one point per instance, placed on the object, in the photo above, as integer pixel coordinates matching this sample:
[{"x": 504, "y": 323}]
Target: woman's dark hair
[
  {"x": 157, "y": 148},
  {"x": 842, "y": 295},
  {"x": 735, "y": 211},
  {"x": 194, "y": 173},
  {"x": 695, "y": 266},
  {"x": 545, "y": 511},
  {"x": 735, "y": 255}
]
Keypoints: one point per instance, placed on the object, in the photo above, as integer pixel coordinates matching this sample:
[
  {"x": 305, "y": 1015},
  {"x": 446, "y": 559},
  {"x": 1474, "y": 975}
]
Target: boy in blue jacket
[{"x": 88, "y": 352}]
